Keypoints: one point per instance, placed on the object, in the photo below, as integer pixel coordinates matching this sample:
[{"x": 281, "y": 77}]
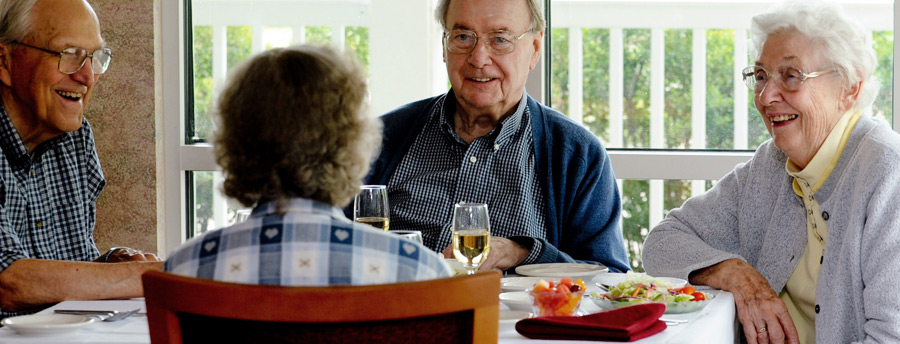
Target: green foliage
[
  {"x": 677, "y": 88},
  {"x": 356, "y": 39},
  {"x": 719, "y": 89},
  {"x": 559, "y": 68},
  {"x": 883, "y": 42},
  {"x": 636, "y": 131},
  {"x": 596, "y": 82},
  {"x": 318, "y": 34}
]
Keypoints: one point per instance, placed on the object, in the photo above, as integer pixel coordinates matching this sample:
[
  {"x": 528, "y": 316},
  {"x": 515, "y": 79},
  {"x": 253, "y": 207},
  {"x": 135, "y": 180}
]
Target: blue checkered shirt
[
  {"x": 48, "y": 197},
  {"x": 310, "y": 244},
  {"x": 498, "y": 169}
]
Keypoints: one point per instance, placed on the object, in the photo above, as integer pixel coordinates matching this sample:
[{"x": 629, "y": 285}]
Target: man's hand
[
  {"x": 504, "y": 254},
  {"x": 762, "y": 313},
  {"x": 126, "y": 254}
]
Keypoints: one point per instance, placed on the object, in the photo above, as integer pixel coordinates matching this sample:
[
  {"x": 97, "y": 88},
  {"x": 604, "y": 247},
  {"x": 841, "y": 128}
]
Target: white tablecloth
[{"x": 713, "y": 324}]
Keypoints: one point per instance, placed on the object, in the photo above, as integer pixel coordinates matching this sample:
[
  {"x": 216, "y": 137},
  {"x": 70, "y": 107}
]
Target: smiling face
[
  {"x": 799, "y": 121},
  {"x": 486, "y": 83},
  {"x": 41, "y": 101}
]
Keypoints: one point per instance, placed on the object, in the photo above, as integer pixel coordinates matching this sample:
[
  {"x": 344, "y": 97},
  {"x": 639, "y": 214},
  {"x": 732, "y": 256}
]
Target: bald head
[{"x": 57, "y": 19}]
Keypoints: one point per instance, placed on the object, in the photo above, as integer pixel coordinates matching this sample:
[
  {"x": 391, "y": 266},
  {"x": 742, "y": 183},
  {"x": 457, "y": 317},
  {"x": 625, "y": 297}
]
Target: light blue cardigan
[{"x": 753, "y": 214}]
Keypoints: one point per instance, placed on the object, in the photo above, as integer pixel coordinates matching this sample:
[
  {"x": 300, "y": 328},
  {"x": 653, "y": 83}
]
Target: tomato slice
[{"x": 698, "y": 296}]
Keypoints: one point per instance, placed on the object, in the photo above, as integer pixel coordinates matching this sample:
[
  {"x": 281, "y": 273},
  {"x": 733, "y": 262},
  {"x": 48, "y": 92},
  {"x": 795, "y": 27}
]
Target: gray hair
[
  {"x": 293, "y": 123},
  {"x": 15, "y": 19},
  {"x": 535, "y": 6},
  {"x": 843, "y": 39}
]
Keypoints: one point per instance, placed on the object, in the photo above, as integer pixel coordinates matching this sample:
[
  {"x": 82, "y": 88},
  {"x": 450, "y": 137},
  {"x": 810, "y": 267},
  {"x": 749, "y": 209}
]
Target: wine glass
[
  {"x": 411, "y": 235},
  {"x": 471, "y": 235},
  {"x": 371, "y": 206}
]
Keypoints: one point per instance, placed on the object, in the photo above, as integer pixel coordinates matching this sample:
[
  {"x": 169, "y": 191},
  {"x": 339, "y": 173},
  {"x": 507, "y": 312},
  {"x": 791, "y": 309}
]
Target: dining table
[{"x": 714, "y": 323}]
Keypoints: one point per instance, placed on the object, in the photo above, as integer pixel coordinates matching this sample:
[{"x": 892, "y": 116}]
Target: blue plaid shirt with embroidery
[
  {"x": 310, "y": 244},
  {"x": 48, "y": 197}
]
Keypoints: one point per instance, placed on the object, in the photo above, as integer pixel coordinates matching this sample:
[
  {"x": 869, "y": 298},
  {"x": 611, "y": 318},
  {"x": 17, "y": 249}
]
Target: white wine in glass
[
  {"x": 370, "y": 206},
  {"x": 471, "y": 235}
]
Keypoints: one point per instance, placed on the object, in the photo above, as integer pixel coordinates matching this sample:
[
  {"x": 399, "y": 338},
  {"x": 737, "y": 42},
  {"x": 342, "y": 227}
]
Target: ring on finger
[{"x": 761, "y": 330}]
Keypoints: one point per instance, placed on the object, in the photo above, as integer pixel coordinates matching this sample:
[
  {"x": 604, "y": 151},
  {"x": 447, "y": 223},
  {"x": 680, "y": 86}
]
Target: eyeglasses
[
  {"x": 497, "y": 42},
  {"x": 72, "y": 59},
  {"x": 788, "y": 78}
]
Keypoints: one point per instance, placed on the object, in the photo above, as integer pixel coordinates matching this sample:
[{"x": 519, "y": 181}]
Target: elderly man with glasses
[
  {"x": 548, "y": 182},
  {"x": 51, "y": 55}
]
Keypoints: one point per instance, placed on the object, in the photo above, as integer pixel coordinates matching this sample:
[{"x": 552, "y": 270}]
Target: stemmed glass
[
  {"x": 471, "y": 235},
  {"x": 371, "y": 206}
]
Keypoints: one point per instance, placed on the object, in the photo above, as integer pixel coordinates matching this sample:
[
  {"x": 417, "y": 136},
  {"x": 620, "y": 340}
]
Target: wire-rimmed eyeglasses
[
  {"x": 498, "y": 42},
  {"x": 788, "y": 78},
  {"x": 72, "y": 59}
]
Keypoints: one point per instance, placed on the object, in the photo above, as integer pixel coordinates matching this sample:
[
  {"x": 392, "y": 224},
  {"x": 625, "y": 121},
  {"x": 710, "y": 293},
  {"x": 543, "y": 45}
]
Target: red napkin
[{"x": 622, "y": 325}]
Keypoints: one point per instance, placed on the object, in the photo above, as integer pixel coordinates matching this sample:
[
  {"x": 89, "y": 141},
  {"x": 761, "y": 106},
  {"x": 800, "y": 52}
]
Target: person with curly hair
[{"x": 294, "y": 142}]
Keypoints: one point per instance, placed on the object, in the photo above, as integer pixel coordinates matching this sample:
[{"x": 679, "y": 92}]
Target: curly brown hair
[{"x": 291, "y": 123}]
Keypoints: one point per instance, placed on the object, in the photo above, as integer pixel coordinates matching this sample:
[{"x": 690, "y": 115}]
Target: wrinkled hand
[
  {"x": 127, "y": 254},
  {"x": 762, "y": 313},
  {"x": 504, "y": 254}
]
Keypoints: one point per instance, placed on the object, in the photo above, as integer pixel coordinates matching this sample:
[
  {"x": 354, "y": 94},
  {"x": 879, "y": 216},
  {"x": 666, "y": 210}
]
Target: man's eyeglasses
[
  {"x": 788, "y": 78},
  {"x": 72, "y": 59},
  {"x": 497, "y": 42}
]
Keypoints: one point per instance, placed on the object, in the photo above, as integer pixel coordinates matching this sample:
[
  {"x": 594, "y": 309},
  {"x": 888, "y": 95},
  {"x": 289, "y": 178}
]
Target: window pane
[
  {"x": 643, "y": 206},
  {"x": 211, "y": 208},
  {"x": 642, "y": 103}
]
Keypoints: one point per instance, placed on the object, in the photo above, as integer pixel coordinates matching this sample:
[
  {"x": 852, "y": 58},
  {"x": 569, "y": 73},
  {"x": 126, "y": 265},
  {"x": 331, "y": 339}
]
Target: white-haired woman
[
  {"x": 805, "y": 234},
  {"x": 294, "y": 143}
]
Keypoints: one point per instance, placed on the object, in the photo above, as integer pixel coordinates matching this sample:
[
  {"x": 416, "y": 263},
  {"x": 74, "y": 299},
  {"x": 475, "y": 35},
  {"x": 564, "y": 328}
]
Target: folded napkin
[{"x": 622, "y": 325}]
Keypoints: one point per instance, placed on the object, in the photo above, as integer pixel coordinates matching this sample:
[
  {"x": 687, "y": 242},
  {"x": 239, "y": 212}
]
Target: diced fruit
[{"x": 561, "y": 299}]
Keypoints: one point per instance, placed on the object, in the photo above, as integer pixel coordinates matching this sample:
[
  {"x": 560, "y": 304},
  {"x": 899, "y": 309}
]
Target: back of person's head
[
  {"x": 536, "y": 7},
  {"x": 292, "y": 124},
  {"x": 843, "y": 40},
  {"x": 15, "y": 19}
]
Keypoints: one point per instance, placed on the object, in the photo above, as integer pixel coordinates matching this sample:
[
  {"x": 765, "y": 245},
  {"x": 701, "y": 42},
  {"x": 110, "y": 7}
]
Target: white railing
[{"x": 406, "y": 65}]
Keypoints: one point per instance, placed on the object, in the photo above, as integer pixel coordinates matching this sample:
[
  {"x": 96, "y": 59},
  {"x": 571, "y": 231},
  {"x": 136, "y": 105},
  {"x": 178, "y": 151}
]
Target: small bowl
[
  {"x": 547, "y": 303},
  {"x": 516, "y": 301}
]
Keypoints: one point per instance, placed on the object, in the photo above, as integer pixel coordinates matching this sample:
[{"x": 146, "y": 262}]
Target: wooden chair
[{"x": 462, "y": 309}]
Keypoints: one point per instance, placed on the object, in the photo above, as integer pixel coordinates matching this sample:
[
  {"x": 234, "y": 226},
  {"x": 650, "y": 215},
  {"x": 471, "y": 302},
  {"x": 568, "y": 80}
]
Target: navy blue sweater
[{"x": 583, "y": 205}]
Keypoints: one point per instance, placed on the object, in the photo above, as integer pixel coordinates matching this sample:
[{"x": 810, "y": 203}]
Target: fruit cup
[{"x": 555, "y": 302}]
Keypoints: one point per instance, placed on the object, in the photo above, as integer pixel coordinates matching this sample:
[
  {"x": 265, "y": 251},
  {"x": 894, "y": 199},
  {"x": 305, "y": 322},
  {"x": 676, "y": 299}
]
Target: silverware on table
[{"x": 103, "y": 315}]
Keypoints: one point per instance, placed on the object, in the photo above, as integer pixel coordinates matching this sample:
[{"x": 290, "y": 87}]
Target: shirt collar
[
  {"x": 826, "y": 158},
  {"x": 11, "y": 142},
  {"x": 15, "y": 149},
  {"x": 506, "y": 129},
  {"x": 297, "y": 205}
]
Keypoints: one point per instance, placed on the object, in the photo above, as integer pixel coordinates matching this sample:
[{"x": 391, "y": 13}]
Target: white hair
[
  {"x": 15, "y": 19},
  {"x": 844, "y": 41}
]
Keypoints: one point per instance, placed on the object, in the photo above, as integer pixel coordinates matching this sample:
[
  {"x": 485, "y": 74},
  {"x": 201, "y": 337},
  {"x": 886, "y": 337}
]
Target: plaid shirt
[
  {"x": 311, "y": 244},
  {"x": 498, "y": 169},
  {"x": 48, "y": 197}
]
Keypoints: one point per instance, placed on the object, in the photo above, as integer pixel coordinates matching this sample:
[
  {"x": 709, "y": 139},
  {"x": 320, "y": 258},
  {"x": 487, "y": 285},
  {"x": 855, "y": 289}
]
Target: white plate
[
  {"x": 513, "y": 316},
  {"x": 671, "y": 307},
  {"x": 46, "y": 324},
  {"x": 561, "y": 270},
  {"x": 516, "y": 300},
  {"x": 521, "y": 283},
  {"x": 614, "y": 279}
]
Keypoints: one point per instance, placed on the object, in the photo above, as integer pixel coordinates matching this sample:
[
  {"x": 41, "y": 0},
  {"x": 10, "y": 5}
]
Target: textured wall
[{"x": 122, "y": 114}]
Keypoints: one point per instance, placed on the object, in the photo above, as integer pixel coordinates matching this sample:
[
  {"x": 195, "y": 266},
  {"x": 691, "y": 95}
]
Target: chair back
[{"x": 462, "y": 309}]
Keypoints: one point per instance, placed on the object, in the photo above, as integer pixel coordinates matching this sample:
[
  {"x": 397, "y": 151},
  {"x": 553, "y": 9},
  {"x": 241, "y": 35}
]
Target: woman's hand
[{"x": 762, "y": 313}]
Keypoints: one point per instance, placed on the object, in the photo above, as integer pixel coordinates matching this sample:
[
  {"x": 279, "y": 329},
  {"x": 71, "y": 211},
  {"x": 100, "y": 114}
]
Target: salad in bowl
[{"x": 640, "y": 288}]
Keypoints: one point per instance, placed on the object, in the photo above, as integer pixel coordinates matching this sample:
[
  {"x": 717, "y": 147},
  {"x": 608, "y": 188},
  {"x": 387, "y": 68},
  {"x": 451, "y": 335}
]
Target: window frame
[{"x": 178, "y": 159}]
